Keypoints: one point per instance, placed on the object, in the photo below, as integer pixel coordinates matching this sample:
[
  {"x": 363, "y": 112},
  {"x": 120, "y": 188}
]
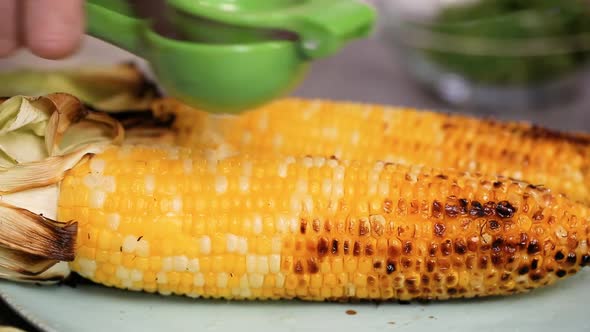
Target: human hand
[{"x": 51, "y": 29}]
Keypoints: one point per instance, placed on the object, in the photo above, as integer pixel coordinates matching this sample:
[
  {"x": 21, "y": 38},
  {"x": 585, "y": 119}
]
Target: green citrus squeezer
[{"x": 233, "y": 54}]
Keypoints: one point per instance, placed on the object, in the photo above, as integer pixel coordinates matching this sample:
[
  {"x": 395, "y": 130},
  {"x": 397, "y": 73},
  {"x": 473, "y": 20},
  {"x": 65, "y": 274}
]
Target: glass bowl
[{"x": 492, "y": 54}]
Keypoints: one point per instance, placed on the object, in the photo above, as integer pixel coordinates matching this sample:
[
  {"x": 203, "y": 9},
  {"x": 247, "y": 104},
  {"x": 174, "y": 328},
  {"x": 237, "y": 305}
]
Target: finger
[
  {"x": 53, "y": 29},
  {"x": 8, "y": 27}
]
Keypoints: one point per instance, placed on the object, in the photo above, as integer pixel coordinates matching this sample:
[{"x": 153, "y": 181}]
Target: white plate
[{"x": 96, "y": 308}]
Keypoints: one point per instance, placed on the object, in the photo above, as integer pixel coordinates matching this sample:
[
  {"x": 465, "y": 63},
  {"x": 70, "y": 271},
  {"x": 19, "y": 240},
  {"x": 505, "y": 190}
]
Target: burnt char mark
[
  {"x": 489, "y": 209},
  {"x": 505, "y": 210},
  {"x": 356, "y": 249},
  {"x": 533, "y": 247},
  {"x": 460, "y": 247},
  {"x": 535, "y": 264},
  {"x": 312, "y": 266},
  {"x": 346, "y": 247},
  {"x": 560, "y": 273},
  {"x": 540, "y": 133},
  {"x": 497, "y": 259},
  {"x": 445, "y": 248},
  {"x": 433, "y": 248},
  {"x": 538, "y": 216},
  {"x": 369, "y": 251},
  {"x": 298, "y": 268},
  {"x": 377, "y": 265},
  {"x": 463, "y": 203},
  {"x": 476, "y": 209},
  {"x": 390, "y": 267},
  {"x": 439, "y": 229},
  {"x": 436, "y": 209},
  {"x": 559, "y": 256},
  {"x": 323, "y": 247},
  {"x": 406, "y": 263},
  {"x": 494, "y": 225},
  {"x": 442, "y": 177},
  {"x": 497, "y": 244},
  {"x": 430, "y": 265},
  {"x": 387, "y": 206},
  {"x": 523, "y": 270},
  {"x": 585, "y": 260},
  {"x": 303, "y": 226},
  {"x": 452, "y": 211},
  {"x": 523, "y": 240},
  {"x": 363, "y": 229},
  {"x": 497, "y": 184},
  {"x": 408, "y": 247},
  {"x": 483, "y": 262},
  {"x": 316, "y": 225},
  {"x": 334, "y": 247},
  {"x": 571, "y": 258}
]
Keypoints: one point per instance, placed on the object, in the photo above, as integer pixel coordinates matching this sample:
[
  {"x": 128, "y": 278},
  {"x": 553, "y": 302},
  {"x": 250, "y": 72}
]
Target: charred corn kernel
[
  {"x": 371, "y": 133},
  {"x": 431, "y": 234}
]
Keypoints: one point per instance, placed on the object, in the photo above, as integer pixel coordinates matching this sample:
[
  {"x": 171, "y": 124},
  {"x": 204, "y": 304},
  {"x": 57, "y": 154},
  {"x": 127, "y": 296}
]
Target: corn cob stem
[
  {"x": 560, "y": 161},
  {"x": 176, "y": 221}
]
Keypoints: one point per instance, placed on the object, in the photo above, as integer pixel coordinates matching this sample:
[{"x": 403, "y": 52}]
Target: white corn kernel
[
  {"x": 143, "y": 248},
  {"x": 222, "y": 279},
  {"x": 199, "y": 280},
  {"x": 221, "y": 184},
  {"x": 251, "y": 263},
  {"x": 275, "y": 263},
  {"x": 91, "y": 181},
  {"x": 129, "y": 244},
  {"x": 122, "y": 273},
  {"x": 244, "y": 183},
  {"x": 97, "y": 165},
  {"x": 244, "y": 282},
  {"x": 327, "y": 187},
  {"x": 242, "y": 245},
  {"x": 87, "y": 267},
  {"x": 177, "y": 204},
  {"x": 280, "y": 280},
  {"x": 257, "y": 225},
  {"x": 256, "y": 280},
  {"x": 276, "y": 244},
  {"x": 113, "y": 220},
  {"x": 136, "y": 275},
  {"x": 97, "y": 199},
  {"x": 180, "y": 263},
  {"x": 150, "y": 183},
  {"x": 232, "y": 243},
  {"x": 245, "y": 292},
  {"x": 193, "y": 265},
  {"x": 205, "y": 245},
  {"x": 283, "y": 168},
  {"x": 262, "y": 265},
  {"x": 167, "y": 264},
  {"x": 187, "y": 166}
]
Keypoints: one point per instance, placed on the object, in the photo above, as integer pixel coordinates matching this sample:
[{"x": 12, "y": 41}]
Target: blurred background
[
  {"x": 510, "y": 59},
  {"x": 507, "y": 59}
]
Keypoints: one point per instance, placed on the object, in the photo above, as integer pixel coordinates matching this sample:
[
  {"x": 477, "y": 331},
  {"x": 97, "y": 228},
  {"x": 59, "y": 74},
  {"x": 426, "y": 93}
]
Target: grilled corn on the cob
[
  {"x": 537, "y": 155},
  {"x": 235, "y": 225},
  {"x": 173, "y": 221}
]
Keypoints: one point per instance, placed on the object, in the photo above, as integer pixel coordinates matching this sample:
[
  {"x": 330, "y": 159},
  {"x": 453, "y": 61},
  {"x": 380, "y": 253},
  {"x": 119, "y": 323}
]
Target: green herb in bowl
[{"x": 511, "y": 42}]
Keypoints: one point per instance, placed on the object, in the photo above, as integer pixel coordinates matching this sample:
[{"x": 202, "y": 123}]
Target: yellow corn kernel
[
  {"x": 392, "y": 134},
  {"x": 432, "y": 234}
]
